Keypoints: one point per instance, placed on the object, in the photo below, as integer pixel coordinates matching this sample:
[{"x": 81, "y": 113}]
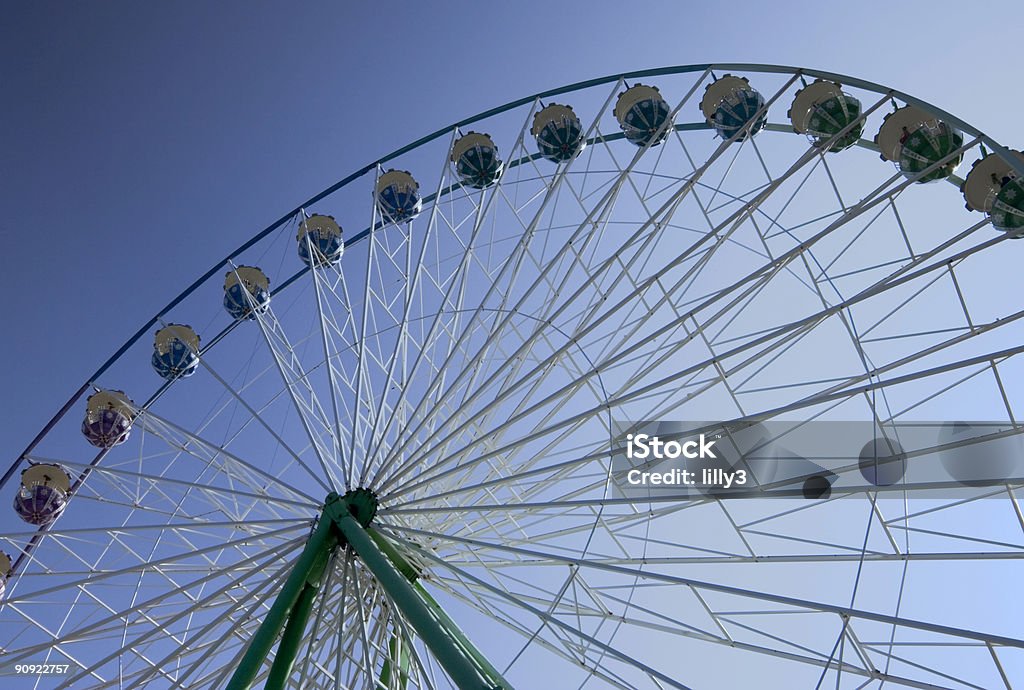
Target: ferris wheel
[{"x": 375, "y": 447}]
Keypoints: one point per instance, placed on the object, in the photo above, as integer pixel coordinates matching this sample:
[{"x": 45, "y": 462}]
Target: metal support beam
[
  {"x": 345, "y": 520},
  {"x": 460, "y": 638},
  {"x": 398, "y": 650},
  {"x": 412, "y": 574},
  {"x": 453, "y": 660},
  {"x": 319, "y": 547},
  {"x": 288, "y": 647}
]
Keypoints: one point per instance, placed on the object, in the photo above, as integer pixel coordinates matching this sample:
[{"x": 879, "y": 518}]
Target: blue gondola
[
  {"x": 246, "y": 292},
  {"x": 643, "y": 115},
  {"x": 43, "y": 494},
  {"x": 108, "y": 418},
  {"x": 320, "y": 242},
  {"x": 559, "y": 133},
  {"x": 476, "y": 160},
  {"x": 398, "y": 196},
  {"x": 175, "y": 352},
  {"x": 733, "y": 107}
]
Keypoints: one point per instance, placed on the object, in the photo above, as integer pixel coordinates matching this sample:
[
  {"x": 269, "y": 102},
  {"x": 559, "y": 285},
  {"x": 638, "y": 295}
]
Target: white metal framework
[{"x": 471, "y": 367}]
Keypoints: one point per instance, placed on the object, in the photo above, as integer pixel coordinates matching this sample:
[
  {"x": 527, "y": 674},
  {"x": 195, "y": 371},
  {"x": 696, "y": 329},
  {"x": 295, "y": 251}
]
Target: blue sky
[{"x": 140, "y": 144}]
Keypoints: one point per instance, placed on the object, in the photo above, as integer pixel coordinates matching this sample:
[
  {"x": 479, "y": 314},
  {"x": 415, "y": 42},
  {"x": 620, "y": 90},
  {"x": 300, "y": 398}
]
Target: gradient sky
[{"x": 141, "y": 142}]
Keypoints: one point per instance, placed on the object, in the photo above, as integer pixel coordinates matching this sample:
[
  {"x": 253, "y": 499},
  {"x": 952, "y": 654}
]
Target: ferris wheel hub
[{"x": 359, "y": 503}]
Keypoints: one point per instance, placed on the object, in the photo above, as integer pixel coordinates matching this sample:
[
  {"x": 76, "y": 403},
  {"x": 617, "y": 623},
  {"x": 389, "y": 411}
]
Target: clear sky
[{"x": 141, "y": 143}]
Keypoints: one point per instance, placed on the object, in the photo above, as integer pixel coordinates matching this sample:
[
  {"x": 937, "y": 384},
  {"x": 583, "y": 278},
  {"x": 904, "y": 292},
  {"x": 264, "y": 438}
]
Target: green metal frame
[
  {"x": 412, "y": 574},
  {"x": 398, "y": 651},
  {"x": 291, "y": 607},
  {"x": 344, "y": 522}
]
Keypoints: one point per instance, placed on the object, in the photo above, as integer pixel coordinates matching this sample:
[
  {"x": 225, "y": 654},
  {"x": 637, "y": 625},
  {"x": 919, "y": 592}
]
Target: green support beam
[
  {"x": 315, "y": 554},
  {"x": 291, "y": 639},
  {"x": 453, "y": 660},
  {"x": 453, "y": 630},
  {"x": 346, "y": 520},
  {"x": 398, "y": 650},
  {"x": 496, "y": 679}
]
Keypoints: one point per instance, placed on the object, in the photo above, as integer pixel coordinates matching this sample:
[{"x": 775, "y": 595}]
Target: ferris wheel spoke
[
  {"x": 510, "y": 328},
  {"x": 260, "y": 561},
  {"x": 667, "y": 578},
  {"x": 102, "y": 575},
  {"x": 750, "y": 208},
  {"x": 662, "y": 623},
  {"x": 138, "y": 497},
  {"x": 625, "y": 270},
  {"x": 456, "y": 284},
  {"x": 433, "y": 339},
  {"x": 825, "y": 272},
  {"x": 220, "y": 673},
  {"x": 364, "y": 313},
  {"x": 60, "y": 651},
  {"x": 126, "y": 480},
  {"x": 843, "y": 220},
  {"x": 899, "y": 277},
  {"x": 295, "y": 379},
  {"x": 466, "y": 591},
  {"x": 946, "y": 635},
  {"x": 209, "y": 649},
  {"x": 738, "y": 559},
  {"x": 74, "y": 545},
  {"x": 605, "y": 202},
  {"x": 708, "y": 340},
  {"x": 415, "y": 283},
  {"x": 546, "y": 474},
  {"x": 507, "y": 321},
  {"x": 75, "y": 532},
  {"x": 918, "y": 291},
  {"x": 496, "y": 433},
  {"x": 218, "y": 457},
  {"x": 217, "y": 449},
  {"x": 491, "y": 607},
  {"x": 535, "y": 336},
  {"x": 120, "y": 621},
  {"x": 706, "y": 322},
  {"x": 735, "y": 218},
  {"x": 327, "y": 325},
  {"x": 513, "y": 265},
  {"x": 558, "y": 623},
  {"x": 99, "y": 635},
  {"x": 979, "y": 330},
  {"x": 259, "y": 419},
  {"x": 342, "y": 340}
]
